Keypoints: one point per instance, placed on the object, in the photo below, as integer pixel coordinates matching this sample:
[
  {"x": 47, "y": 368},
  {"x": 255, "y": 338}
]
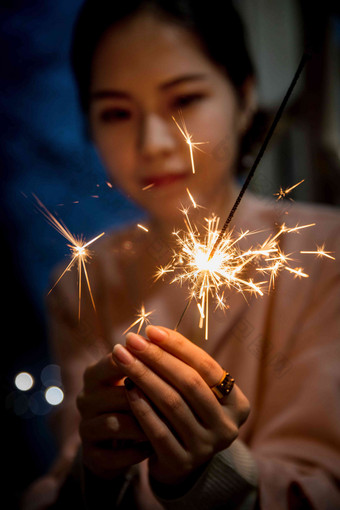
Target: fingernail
[
  {"x": 136, "y": 342},
  {"x": 129, "y": 384},
  {"x": 122, "y": 355},
  {"x": 156, "y": 334}
]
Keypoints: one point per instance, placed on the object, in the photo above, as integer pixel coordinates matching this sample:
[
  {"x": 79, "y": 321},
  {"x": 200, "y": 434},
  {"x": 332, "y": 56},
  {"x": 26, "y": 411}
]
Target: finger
[
  {"x": 191, "y": 376},
  {"x": 165, "y": 398},
  {"x": 103, "y": 400},
  {"x": 160, "y": 436},
  {"x": 111, "y": 426},
  {"x": 179, "y": 346},
  {"x": 211, "y": 371},
  {"x": 104, "y": 372},
  {"x": 186, "y": 379}
]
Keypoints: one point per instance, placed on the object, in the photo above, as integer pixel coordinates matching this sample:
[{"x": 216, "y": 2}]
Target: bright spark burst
[
  {"x": 79, "y": 251},
  {"x": 208, "y": 276},
  {"x": 142, "y": 319},
  {"x": 188, "y": 139},
  {"x": 284, "y": 192}
]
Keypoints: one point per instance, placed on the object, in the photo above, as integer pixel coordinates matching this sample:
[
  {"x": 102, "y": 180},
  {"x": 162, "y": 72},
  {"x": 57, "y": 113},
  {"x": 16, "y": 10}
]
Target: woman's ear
[{"x": 248, "y": 104}]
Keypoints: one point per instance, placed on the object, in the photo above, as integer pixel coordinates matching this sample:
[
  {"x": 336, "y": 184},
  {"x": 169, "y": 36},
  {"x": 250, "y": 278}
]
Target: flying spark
[
  {"x": 80, "y": 254},
  {"x": 284, "y": 192},
  {"x": 191, "y": 198},
  {"x": 149, "y": 186},
  {"x": 142, "y": 319},
  {"x": 142, "y": 227},
  {"x": 188, "y": 139},
  {"x": 320, "y": 252}
]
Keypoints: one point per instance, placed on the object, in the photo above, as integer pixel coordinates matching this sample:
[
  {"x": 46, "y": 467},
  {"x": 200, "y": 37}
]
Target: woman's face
[{"x": 145, "y": 72}]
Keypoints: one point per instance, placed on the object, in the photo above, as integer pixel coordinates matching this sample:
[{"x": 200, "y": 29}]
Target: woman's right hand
[{"x": 112, "y": 440}]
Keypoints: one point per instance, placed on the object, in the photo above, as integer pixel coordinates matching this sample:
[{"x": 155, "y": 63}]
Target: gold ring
[{"x": 224, "y": 386}]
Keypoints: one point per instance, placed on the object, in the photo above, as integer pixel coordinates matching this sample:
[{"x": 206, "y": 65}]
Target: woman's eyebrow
[{"x": 183, "y": 79}]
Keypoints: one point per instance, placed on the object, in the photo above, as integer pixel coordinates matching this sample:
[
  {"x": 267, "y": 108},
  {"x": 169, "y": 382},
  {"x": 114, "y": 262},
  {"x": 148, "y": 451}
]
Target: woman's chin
[{"x": 167, "y": 208}]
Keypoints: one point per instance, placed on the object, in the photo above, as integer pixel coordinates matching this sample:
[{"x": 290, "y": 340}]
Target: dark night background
[{"x": 43, "y": 151}]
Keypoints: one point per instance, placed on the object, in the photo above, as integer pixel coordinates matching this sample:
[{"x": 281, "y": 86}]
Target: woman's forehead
[{"x": 151, "y": 49}]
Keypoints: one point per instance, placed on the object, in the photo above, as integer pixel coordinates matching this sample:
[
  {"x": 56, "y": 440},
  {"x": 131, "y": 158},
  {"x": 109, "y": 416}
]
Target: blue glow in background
[{"x": 43, "y": 148}]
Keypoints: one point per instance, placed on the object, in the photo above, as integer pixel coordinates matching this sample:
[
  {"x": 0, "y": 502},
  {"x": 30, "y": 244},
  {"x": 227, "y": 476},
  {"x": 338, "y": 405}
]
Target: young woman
[{"x": 168, "y": 438}]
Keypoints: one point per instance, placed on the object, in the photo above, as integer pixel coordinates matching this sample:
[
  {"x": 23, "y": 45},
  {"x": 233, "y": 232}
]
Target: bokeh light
[
  {"x": 54, "y": 395},
  {"x": 50, "y": 375},
  {"x": 24, "y": 381}
]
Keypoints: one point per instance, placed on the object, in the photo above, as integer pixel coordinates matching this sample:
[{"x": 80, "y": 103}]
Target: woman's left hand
[{"x": 174, "y": 404}]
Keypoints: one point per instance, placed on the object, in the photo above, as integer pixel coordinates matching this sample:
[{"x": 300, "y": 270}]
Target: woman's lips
[{"x": 163, "y": 180}]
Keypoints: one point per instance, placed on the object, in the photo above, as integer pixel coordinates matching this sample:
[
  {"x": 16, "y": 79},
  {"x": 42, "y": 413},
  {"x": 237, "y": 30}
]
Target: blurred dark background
[{"x": 43, "y": 151}]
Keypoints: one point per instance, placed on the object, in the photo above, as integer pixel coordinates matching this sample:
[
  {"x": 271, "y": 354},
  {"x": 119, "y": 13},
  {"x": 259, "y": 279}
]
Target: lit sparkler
[
  {"x": 306, "y": 55},
  {"x": 142, "y": 319},
  {"x": 80, "y": 254},
  {"x": 228, "y": 268}
]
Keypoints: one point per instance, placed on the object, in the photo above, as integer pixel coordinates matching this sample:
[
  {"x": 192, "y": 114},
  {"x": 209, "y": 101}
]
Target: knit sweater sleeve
[{"x": 228, "y": 481}]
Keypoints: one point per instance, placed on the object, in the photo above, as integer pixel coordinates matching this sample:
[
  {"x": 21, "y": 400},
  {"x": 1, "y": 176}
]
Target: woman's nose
[{"x": 156, "y": 137}]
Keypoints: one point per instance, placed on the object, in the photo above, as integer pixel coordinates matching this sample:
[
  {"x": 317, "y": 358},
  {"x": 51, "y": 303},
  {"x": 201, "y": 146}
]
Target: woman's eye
[
  {"x": 114, "y": 114},
  {"x": 187, "y": 100}
]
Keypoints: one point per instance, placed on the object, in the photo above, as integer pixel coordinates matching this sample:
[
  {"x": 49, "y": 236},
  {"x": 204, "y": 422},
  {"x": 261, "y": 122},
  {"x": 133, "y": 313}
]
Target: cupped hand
[
  {"x": 174, "y": 404},
  {"x": 40, "y": 494},
  {"x": 112, "y": 439}
]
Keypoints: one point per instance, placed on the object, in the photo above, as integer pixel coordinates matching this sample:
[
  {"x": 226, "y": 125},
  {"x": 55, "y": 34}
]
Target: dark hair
[{"x": 217, "y": 25}]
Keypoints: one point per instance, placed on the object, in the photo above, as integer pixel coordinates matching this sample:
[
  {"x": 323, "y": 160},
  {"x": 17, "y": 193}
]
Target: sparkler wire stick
[
  {"x": 261, "y": 152},
  {"x": 182, "y": 314}
]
